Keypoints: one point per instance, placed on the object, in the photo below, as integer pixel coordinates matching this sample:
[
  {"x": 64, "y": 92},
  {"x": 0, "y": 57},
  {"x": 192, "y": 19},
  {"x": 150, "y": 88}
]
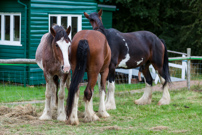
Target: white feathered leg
[
  {"x": 110, "y": 101},
  {"x": 102, "y": 110},
  {"x": 166, "y": 95}
]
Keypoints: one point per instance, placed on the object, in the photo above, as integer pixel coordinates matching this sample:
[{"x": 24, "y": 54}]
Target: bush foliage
[{"x": 178, "y": 22}]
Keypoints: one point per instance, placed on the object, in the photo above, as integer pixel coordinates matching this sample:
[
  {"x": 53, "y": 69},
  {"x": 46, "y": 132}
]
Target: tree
[{"x": 178, "y": 22}]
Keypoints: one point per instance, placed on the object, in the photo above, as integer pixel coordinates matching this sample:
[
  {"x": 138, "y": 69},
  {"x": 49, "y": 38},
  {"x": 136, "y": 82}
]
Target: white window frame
[
  {"x": 11, "y": 41},
  {"x": 69, "y": 21}
]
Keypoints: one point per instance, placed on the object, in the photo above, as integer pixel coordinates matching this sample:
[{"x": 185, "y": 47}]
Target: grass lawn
[
  {"x": 182, "y": 116},
  {"x": 13, "y": 93}
]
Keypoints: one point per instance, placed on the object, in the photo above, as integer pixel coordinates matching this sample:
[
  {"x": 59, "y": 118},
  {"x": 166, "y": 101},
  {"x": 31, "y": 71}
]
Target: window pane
[
  {"x": 74, "y": 26},
  {"x": 53, "y": 20},
  {"x": 64, "y": 22},
  {"x": 7, "y": 27},
  {"x": 0, "y": 27},
  {"x": 16, "y": 28}
]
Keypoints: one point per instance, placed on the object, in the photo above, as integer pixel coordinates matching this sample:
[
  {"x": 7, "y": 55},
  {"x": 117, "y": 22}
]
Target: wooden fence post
[{"x": 188, "y": 68}]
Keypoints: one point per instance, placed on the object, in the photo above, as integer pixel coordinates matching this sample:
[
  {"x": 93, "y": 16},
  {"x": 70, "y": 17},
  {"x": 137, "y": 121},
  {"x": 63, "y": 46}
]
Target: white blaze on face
[{"x": 64, "y": 48}]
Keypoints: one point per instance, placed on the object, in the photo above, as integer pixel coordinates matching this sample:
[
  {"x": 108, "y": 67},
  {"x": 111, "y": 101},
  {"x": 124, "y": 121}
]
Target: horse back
[
  {"x": 99, "y": 50},
  {"x": 141, "y": 46}
]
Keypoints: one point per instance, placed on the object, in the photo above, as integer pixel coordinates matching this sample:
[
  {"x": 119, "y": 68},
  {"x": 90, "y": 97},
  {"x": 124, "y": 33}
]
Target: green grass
[
  {"x": 182, "y": 116},
  {"x": 12, "y": 93}
]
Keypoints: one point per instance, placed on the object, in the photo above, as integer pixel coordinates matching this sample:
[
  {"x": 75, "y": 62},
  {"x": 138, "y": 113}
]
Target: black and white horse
[{"x": 131, "y": 50}]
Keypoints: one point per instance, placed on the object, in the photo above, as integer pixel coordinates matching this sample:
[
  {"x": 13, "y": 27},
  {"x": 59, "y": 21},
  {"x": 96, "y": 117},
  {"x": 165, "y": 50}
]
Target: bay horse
[
  {"x": 131, "y": 50},
  {"x": 89, "y": 52},
  {"x": 52, "y": 58}
]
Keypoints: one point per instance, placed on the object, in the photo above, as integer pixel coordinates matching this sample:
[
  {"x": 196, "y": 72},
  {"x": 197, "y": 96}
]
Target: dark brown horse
[
  {"x": 52, "y": 58},
  {"x": 89, "y": 52},
  {"x": 131, "y": 50}
]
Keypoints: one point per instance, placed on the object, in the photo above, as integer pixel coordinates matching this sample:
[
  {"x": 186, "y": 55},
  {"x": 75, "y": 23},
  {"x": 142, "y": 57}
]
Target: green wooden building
[{"x": 23, "y": 23}]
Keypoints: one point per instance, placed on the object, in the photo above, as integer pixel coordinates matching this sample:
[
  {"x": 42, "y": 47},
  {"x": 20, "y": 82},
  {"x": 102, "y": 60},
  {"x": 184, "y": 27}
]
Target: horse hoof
[
  {"x": 110, "y": 106},
  {"x": 91, "y": 118},
  {"x": 45, "y": 117},
  {"x": 164, "y": 102},
  {"x": 142, "y": 102},
  {"x": 103, "y": 114},
  {"x": 61, "y": 117},
  {"x": 73, "y": 122}
]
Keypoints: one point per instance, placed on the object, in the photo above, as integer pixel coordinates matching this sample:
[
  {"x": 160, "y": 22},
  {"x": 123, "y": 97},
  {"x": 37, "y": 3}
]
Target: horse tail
[
  {"x": 165, "y": 65},
  {"x": 81, "y": 61},
  {"x": 55, "y": 79}
]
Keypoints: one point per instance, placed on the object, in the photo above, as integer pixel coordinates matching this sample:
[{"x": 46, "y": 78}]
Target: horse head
[
  {"x": 60, "y": 45},
  {"x": 95, "y": 19}
]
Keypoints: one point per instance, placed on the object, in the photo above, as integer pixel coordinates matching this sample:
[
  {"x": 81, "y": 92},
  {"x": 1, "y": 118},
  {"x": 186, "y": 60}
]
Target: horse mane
[{"x": 60, "y": 32}]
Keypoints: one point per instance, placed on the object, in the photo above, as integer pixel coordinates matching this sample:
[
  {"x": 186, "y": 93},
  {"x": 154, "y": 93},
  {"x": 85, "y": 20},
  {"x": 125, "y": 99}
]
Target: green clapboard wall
[{"x": 37, "y": 21}]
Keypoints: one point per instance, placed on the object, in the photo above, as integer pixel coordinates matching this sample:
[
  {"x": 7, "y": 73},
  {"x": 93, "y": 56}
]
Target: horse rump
[{"x": 81, "y": 61}]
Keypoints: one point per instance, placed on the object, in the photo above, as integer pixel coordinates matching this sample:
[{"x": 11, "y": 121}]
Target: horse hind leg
[
  {"x": 89, "y": 114},
  {"x": 102, "y": 89},
  {"x": 147, "y": 96},
  {"x": 73, "y": 119},
  {"x": 166, "y": 96}
]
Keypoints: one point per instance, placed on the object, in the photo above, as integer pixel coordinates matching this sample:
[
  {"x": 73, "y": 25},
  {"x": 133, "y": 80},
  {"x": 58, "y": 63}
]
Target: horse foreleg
[
  {"x": 68, "y": 80},
  {"x": 53, "y": 96},
  {"x": 166, "y": 96},
  {"x": 73, "y": 118},
  {"x": 47, "y": 115},
  {"x": 61, "y": 94},
  {"x": 110, "y": 102},
  {"x": 102, "y": 109},
  {"x": 147, "y": 96}
]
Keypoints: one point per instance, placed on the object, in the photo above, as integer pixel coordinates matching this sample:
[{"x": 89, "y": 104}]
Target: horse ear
[
  {"x": 100, "y": 13},
  {"x": 86, "y": 15},
  {"x": 52, "y": 32},
  {"x": 68, "y": 30}
]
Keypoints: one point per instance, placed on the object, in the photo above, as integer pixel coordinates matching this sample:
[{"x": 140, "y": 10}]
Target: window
[
  {"x": 65, "y": 20},
  {"x": 10, "y": 30}
]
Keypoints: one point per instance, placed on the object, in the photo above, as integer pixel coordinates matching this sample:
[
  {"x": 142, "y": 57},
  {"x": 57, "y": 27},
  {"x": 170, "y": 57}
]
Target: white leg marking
[
  {"x": 89, "y": 113},
  {"x": 47, "y": 115},
  {"x": 166, "y": 96},
  {"x": 110, "y": 102},
  {"x": 102, "y": 110},
  {"x": 146, "y": 97},
  {"x": 61, "y": 108},
  {"x": 73, "y": 119}
]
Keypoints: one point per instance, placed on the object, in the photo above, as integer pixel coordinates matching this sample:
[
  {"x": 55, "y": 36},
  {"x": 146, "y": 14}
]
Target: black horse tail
[
  {"x": 56, "y": 81},
  {"x": 165, "y": 65},
  {"x": 81, "y": 61}
]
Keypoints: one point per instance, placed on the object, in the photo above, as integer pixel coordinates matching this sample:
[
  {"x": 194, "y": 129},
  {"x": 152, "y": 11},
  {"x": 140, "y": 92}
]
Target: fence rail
[{"x": 186, "y": 58}]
